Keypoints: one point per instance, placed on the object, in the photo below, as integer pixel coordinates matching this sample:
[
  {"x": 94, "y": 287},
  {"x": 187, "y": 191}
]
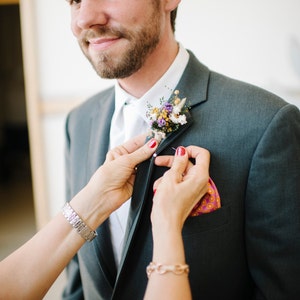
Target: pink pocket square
[{"x": 209, "y": 202}]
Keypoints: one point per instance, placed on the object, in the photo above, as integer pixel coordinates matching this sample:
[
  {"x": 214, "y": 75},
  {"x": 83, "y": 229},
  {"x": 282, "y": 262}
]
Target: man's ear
[{"x": 171, "y": 4}]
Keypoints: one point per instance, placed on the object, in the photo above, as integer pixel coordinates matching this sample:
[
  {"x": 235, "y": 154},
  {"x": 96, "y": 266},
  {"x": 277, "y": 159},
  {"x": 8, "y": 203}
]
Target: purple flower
[
  {"x": 168, "y": 106},
  {"x": 161, "y": 122}
]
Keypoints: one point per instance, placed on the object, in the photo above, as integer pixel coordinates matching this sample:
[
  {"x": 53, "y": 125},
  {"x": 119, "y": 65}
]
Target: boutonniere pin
[{"x": 167, "y": 118}]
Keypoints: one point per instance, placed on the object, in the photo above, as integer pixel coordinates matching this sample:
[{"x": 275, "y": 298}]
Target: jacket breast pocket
[{"x": 206, "y": 222}]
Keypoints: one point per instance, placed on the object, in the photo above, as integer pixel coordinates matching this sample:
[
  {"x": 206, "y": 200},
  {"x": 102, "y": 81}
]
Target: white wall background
[{"x": 256, "y": 41}]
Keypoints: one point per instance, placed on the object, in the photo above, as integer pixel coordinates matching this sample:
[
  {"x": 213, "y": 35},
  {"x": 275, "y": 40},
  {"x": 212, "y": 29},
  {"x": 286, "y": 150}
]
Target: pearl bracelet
[
  {"x": 162, "y": 269},
  {"x": 86, "y": 232}
]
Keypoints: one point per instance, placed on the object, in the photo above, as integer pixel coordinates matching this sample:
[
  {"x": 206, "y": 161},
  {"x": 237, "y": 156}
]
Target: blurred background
[{"x": 43, "y": 74}]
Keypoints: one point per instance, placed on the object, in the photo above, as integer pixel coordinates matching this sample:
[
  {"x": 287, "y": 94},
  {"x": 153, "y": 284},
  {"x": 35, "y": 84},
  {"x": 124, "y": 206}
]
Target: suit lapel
[{"x": 194, "y": 82}]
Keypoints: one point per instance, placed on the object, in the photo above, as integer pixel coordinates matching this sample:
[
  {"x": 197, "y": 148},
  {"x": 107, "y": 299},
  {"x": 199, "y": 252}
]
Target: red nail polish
[
  {"x": 152, "y": 144},
  {"x": 180, "y": 151}
]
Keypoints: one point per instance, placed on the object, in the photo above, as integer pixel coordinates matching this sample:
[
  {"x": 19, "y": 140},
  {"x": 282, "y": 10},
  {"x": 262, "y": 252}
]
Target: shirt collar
[
  {"x": 162, "y": 89},
  {"x": 122, "y": 97}
]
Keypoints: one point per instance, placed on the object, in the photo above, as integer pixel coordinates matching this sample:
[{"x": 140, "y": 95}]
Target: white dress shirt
[{"x": 129, "y": 120}]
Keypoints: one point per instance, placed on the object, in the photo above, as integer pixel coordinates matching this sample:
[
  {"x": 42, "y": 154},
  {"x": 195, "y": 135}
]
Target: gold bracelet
[
  {"x": 161, "y": 269},
  {"x": 77, "y": 223}
]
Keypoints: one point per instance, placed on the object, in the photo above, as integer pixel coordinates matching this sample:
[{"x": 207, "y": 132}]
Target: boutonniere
[{"x": 167, "y": 118}]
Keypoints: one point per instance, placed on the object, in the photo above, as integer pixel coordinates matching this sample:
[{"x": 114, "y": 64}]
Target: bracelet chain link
[
  {"x": 77, "y": 223},
  {"x": 161, "y": 269}
]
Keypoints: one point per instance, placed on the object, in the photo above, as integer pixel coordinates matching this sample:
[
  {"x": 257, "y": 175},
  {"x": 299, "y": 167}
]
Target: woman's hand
[
  {"x": 175, "y": 195},
  {"x": 116, "y": 176},
  {"x": 181, "y": 187},
  {"x": 112, "y": 183}
]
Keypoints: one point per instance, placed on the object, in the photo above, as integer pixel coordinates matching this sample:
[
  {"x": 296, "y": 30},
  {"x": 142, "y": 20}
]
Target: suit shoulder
[
  {"x": 228, "y": 94},
  {"x": 241, "y": 93},
  {"x": 93, "y": 103}
]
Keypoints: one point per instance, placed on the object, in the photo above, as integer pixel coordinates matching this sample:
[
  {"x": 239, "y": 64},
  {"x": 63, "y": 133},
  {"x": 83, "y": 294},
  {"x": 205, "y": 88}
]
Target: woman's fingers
[
  {"x": 201, "y": 155},
  {"x": 178, "y": 167},
  {"x": 126, "y": 148},
  {"x": 164, "y": 161},
  {"x": 182, "y": 170},
  {"x": 194, "y": 152},
  {"x": 134, "y": 143},
  {"x": 156, "y": 184},
  {"x": 142, "y": 153},
  {"x": 131, "y": 146},
  {"x": 202, "y": 159},
  {"x": 125, "y": 163},
  {"x": 179, "y": 164}
]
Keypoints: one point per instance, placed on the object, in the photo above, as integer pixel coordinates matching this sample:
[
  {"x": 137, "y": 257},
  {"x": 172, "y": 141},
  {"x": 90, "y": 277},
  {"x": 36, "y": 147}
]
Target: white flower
[
  {"x": 159, "y": 135},
  {"x": 177, "y": 108},
  {"x": 153, "y": 117},
  {"x": 182, "y": 119},
  {"x": 178, "y": 119}
]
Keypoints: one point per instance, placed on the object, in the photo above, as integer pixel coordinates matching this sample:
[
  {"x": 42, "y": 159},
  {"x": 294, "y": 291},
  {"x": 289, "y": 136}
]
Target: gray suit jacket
[{"x": 247, "y": 249}]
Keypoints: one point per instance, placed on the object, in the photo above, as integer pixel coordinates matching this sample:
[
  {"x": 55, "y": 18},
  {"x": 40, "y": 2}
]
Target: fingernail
[
  {"x": 152, "y": 143},
  {"x": 180, "y": 151},
  {"x": 154, "y": 191}
]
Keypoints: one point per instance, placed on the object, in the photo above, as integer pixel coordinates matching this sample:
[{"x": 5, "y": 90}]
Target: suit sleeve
[
  {"x": 73, "y": 289},
  {"x": 272, "y": 209}
]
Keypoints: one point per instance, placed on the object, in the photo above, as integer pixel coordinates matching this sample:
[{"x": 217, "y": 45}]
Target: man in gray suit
[{"x": 247, "y": 249}]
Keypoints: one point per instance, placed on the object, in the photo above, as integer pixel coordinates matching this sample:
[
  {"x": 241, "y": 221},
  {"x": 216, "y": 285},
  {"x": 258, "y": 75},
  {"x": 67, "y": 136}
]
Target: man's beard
[{"x": 141, "y": 43}]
